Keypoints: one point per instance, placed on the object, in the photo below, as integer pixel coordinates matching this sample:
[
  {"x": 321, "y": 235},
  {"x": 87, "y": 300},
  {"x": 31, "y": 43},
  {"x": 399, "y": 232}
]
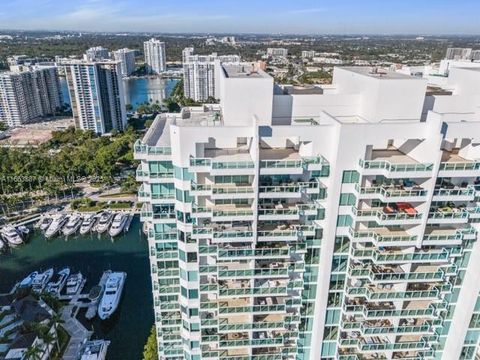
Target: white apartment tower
[
  {"x": 199, "y": 73},
  {"x": 339, "y": 222},
  {"x": 29, "y": 95},
  {"x": 126, "y": 57},
  {"x": 155, "y": 58},
  {"x": 97, "y": 53},
  {"x": 97, "y": 95},
  {"x": 277, "y": 52}
]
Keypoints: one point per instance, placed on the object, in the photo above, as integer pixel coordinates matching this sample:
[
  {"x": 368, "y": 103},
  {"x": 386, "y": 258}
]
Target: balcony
[
  {"x": 451, "y": 192},
  {"x": 288, "y": 161},
  {"x": 392, "y": 214},
  {"x": 224, "y": 162},
  {"x": 382, "y": 237},
  {"x": 393, "y": 163},
  {"x": 142, "y": 151},
  {"x": 390, "y": 257},
  {"x": 390, "y": 193},
  {"x": 289, "y": 212},
  {"x": 291, "y": 190},
  {"x": 448, "y": 215},
  {"x": 394, "y": 275},
  {"x": 454, "y": 165}
]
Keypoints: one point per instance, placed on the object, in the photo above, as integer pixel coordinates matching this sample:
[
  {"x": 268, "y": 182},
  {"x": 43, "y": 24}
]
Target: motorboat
[
  {"x": 44, "y": 223},
  {"x": 87, "y": 224},
  {"x": 119, "y": 222},
  {"x": 73, "y": 223},
  {"x": 41, "y": 280},
  {"x": 56, "y": 285},
  {"x": 74, "y": 282},
  {"x": 112, "y": 294},
  {"x": 28, "y": 280},
  {"x": 23, "y": 231},
  {"x": 94, "y": 350},
  {"x": 56, "y": 225},
  {"x": 11, "y": 236},
  {"x": 104, "y": 222}
]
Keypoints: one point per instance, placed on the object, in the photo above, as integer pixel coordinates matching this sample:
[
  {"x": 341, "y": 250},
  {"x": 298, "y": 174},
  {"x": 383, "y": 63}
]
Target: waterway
[
  {"x": 138, "y": 90},
  {"x": 129, "y": 327}
]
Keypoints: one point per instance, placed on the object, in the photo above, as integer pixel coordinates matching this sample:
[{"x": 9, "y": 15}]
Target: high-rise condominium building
[
  {"x": 338, "y": 224},
  {"x": 277, "y": 52},
  {"x": 97, "y": 95},
  {"x": 29, "y": 95},
  {"x": 308, "y": 54},
  {"x": 199, "y": 73},
  {"x": 155, "y": 58},
  {"x": 97, "y": 53},
  {"x": 127, "y": 60},
  {"x": 458, "y": 53}
]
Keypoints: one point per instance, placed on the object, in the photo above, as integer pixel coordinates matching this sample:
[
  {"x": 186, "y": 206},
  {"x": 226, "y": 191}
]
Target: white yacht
[
  {"x": 11, "y": 236},
  {"x": 94, "y": 350},
  {"x": 44, "y": 223},
  {"x": 73, "y": 223},
  {"x": 104, "y": 221},
  {"x": 119, "y": 222},
  {"x": 112, "y": 294},
  {"x": 56, "y": 225},
  {"x": 28, "y": 280},
  {"x": 88, "y": 222},
  {"x": 41, "y": 280},
  {"x": 56, "y": 285},
  {"x": 74, "y": 282}
]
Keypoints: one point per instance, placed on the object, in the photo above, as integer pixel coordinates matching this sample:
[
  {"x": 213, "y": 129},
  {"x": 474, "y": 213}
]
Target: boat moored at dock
[
  {"x": 41, "y": 280},
  {"x": 11, "y": 236},
  {"x": 56, "y": 225},
  {"x": 112, "y": 294},
  {"x": 73, "y": 224},
  {"x": 56, "y": 285},
  {"x": 104, "y": 222},
  {"x": 118, "y": 224},
  {"x": 74, "y": 283},
  {"x": 94, "y": 350},
  {"x": 88, "y": 222}
]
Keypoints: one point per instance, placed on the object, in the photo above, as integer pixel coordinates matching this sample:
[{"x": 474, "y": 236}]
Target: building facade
[
  {"x": 126, "y": 57},
  {"x": 97, "y": 53},
  {"x": 199, "y": 73},
  {"x": 29, "y": 95},
  {"x": 155, "y": 58},
  {"x": 337, "y": 224},
  {"x": 277, "y": 52},
  {"x": 97, "y": 95}
]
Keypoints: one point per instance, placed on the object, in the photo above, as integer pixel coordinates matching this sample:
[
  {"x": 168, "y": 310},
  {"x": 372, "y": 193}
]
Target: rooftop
[
  {"x": 378, "y": 73},
  {"x": 244, "y": 71}
]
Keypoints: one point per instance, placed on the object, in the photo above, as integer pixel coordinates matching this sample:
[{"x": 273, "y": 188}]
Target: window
[
  {"x": 347, "y": 199},
  {"x": 350, "y": 177},
  {"x": 192, "y": 276},
  {"x": 344, "y": 221},
  {"x": 191, "y": 257},
  {"x": 193, "y": 294}
]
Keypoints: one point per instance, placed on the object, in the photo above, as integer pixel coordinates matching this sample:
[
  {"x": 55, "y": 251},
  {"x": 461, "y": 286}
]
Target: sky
[{"x": 421, "y": 17}]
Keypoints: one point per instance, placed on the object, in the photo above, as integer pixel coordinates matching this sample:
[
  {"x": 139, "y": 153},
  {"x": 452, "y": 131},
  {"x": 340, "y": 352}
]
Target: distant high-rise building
[
  {"x": 96, "y": 53},
  {"x": 186, "y": 53},
  {"x": 97, "y": 95},
  {"x": 199, "y": 73},
  {"x": 29, "y": 95},
  {"x": 458, "y": 54},
  {"x": 308, "y": 54},
  {"x": 155, "y": 58},
  {"x": 126, "y": 57},
  {"x": 228, "y": 40},
  {"x": 277, "y": 52}
]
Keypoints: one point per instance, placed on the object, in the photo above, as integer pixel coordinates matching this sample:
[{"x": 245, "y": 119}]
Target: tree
[
  {"x": 150, "y": 351},
  {"x": 129, "y": 107},
  {"x": 56, "y": 320},
  {"x": 33, "y": 353},
  {"x": 49, "y": 338},
  {"x": 3, "y": 126}
]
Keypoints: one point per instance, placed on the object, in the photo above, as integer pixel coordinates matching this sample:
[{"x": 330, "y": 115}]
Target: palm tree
[
  {"x": 49, "y": 338},
  {"x": 33, "y": 353},
  {"x": 56, "y": 320}
]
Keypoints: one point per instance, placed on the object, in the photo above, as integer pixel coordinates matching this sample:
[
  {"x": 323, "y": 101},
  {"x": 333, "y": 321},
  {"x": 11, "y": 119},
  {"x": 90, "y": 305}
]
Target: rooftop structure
[{"x": 339, "y": 223}]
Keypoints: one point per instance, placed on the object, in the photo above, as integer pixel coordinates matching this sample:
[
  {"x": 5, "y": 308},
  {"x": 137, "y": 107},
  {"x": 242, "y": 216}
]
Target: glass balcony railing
[
  {"x": 141, "y": 148},
  {"x": 460, "y": 166},
  {"x": 200, "y": 162},
  {"x": 254, "y": 252},
  {"x": 217, "y": 165},
  {"x": 225, "y": 309},
  {"x": 468, "y": 191},
  {"x": 380, "y": 238},
  {"x": 391, "y": 167},
  {"x": 250, "y": 326},
  {"x": 382, "y": 216},
  {"x": 396, "y": 277},
  {"x": 442, "y": 255},
  {"x": 252, "y": 272},
  {"x": 251, "y": 342},
  {"x": 390, "y": 193},
  {"x": 461, "y": 214},
  {"x": 392, "y": 295},
  {"x": 232, "y": 234},
  {"x": 395, "y": 330}
]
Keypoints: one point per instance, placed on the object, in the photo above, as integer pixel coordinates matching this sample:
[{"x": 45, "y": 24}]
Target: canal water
[
  {"x": 138, "y": 90},
  {"x": 130, "y": 325}
]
